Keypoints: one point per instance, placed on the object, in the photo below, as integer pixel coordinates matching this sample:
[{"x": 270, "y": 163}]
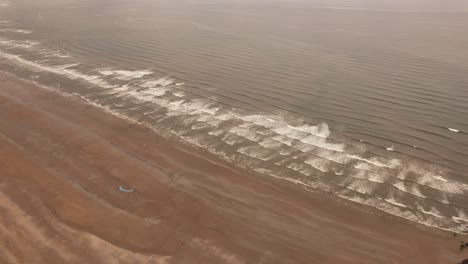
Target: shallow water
[{"x": 365, "y": 101}]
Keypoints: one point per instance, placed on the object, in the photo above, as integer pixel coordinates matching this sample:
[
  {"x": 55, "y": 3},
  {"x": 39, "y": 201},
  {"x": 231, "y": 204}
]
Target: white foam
[
  {"x": 252, "y": 135},
  {"x": 391, "y": 148},
  {"x": 393, "y": 201},
  {"x": 461, "y": 216},
  {"x": 158, "y": 82},
  {"x": 217, "y": 132},
  {"x": 427, "y": 177},
  {"x": 395, "y": 209},
  {"x": 412, "y": 190},
  {"x": 18, "y": 44},
  {"x": 4, "y": 3},
  {"x": 392, "y": 163},
  {"x": 459, "y": 219},
  {"x": 361, "y": 187},
  {"x": 432, "y": 212},
  {"x": 59, "y": 55},
  {"x": 50, "y": 53},
  {"x": 453, "y": 130},
  {"x": 440, "y": 178},
  {"x": 66, "y": 66},
  {"x": 319, "y": 130},
  {"x": 15, "y": 30},
  {"x": 271, "y": 144},
  {"x": 178, "y": 94},
  {"x": 125, "y": 75},
  {"x": 246, "y": 133},
  {"x": 149, "y": 94},
  {"x": 231, "y": 140},
  {"x": 370, "y": 176},
  {"x": 72, "y": 74},
  {"x": 298, "y": 167},
  {"x": 255, "y": 153},
  {"x": 319, "y": 164},
  {"x": 338, "y": 157},
  {"x": 312, "y": 135},
  {"x": 442, "y": 185},
  {"x": 199, "y": 126}
]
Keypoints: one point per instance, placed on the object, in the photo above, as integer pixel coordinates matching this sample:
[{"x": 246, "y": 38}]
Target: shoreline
[{"x": 65, "y": 160}]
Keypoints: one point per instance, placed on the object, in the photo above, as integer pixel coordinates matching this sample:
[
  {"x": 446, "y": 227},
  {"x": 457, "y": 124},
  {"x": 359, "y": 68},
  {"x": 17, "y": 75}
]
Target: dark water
[{"x": 364, "y": 100}]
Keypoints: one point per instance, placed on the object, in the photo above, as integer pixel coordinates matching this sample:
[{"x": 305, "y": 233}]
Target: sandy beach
[{"x": 62, "y": 163}]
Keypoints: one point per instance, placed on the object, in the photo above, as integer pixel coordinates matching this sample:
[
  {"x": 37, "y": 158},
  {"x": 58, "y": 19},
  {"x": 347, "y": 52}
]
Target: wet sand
[{"x": 62, "y": 163}]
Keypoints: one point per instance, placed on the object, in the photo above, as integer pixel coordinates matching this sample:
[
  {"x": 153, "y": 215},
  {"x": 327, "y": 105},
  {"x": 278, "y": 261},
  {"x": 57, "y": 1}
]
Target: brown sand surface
[{"x": 62, "y": 162}]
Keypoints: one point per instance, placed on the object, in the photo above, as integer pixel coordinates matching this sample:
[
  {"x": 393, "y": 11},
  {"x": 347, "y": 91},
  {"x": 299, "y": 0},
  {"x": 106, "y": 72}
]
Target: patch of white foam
[
  {"x": 299, "y": 167},
  {"x": 66, "y": 66},
  {"x": 18, "y": 44},
  {"x": 391, "y": 148},
  {"x": 462, "y": 216},
  {"x": 158, "y": 82},
  {"x": 178, "y": 94},
  {"x": 412, "y": 190},
  {"x": 393, "y": 201},
  {"x": 362, "y": 187},
  {"x": 394, "y": 208},
  {"x": 246, "y": 133},
  {"x": 125, "y": 75},
  {"x": 314, "y": 139},
  {"x": 231, "y": 140},
  {"x": 271, "y": 144},
  {"x": 60, "y": 55},
  {"x": 199, "y": 126},
  {"x": 319, "y": 164},
  {"x": 432, "y": 178},
  {"x": 440, "y": 178},
  {"x": 459, "y": 219},
  {"x": 312, "y": 135},
  {"x": 392, "y": 163},
  {"x": 149, "y": 94},
  {"x": 15, "y": 30},
  {"x": 255, "y": 153},
  {"x": 4, "y": 3},
  {"x": 432, "y": 211},
  {"x": 70, "y": 73},
  {"x": 321, "y": 130},
  {"x": 50, "y": 53},
  {"x": 217, "y": 132},
  {"x": 453, "y": 130},
  {"x": 370, "y": 176},
  {"x": 337, "y": 157}
]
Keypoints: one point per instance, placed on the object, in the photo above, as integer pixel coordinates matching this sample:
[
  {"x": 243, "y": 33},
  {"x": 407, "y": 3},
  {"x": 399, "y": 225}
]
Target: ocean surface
[{"x": 364, "y": 101}]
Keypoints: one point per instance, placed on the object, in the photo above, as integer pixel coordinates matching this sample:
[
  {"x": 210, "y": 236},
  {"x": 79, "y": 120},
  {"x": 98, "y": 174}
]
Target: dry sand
[{"x": 61, "y": 165}]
